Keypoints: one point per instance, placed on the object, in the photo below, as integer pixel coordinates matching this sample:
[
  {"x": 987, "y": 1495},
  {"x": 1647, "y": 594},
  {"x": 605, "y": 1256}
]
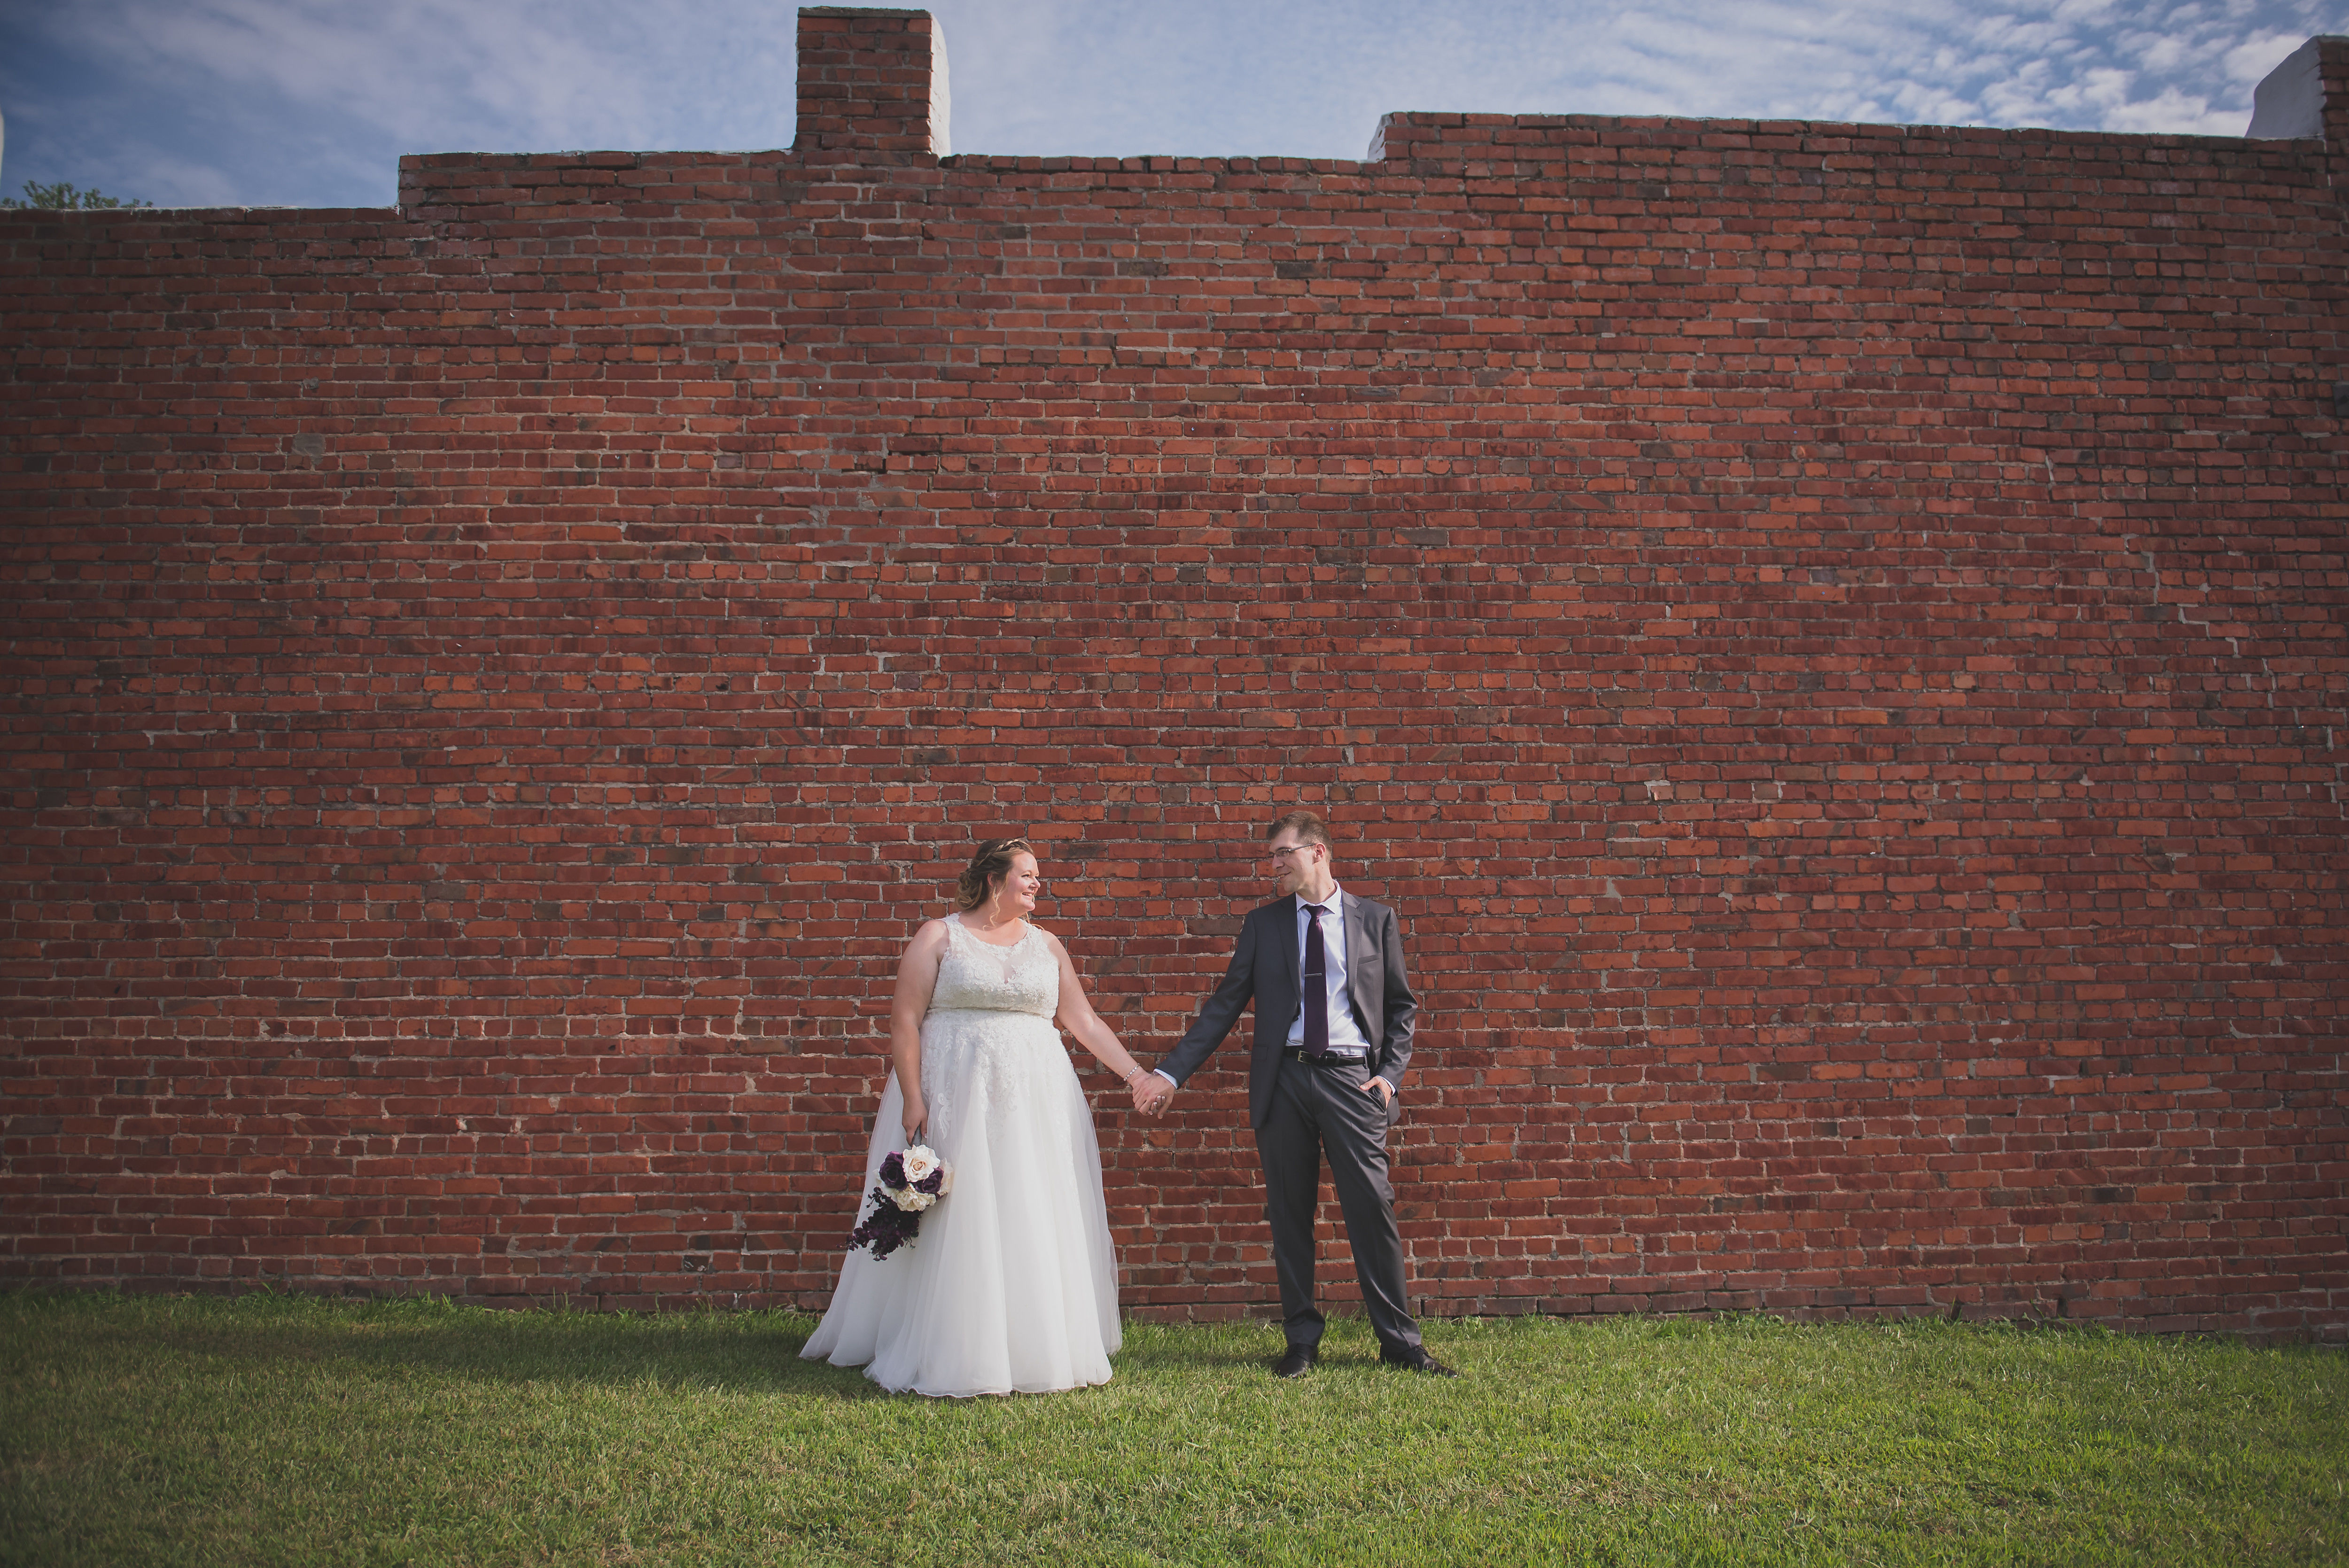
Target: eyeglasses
[{"x": 1283, "y": 854}]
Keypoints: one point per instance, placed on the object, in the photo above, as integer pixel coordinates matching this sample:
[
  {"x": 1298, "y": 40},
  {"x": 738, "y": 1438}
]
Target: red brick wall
[{"x": 1832, "y": 637}]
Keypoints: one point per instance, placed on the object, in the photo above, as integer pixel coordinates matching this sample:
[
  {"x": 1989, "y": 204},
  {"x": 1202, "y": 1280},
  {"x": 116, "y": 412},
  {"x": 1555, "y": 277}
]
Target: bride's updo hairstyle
[{"x": 991, "y": 865}]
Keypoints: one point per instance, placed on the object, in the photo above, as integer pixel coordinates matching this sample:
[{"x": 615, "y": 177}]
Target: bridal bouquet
[{"x": 911, "y": 1180}]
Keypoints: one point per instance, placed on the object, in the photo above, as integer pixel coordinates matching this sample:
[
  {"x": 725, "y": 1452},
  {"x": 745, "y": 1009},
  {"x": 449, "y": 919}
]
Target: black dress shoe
[
  {"x": 1296, "y": 1361},
  {"x": 1415, "y": 1359}
]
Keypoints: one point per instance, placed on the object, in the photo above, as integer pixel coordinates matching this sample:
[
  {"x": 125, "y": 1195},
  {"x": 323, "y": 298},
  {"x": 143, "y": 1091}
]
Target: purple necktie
[{"x": 1316, "y": 1000}]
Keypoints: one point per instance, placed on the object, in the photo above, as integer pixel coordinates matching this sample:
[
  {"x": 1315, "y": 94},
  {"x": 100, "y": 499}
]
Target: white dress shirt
[{"x": 1346, "y": 1037}]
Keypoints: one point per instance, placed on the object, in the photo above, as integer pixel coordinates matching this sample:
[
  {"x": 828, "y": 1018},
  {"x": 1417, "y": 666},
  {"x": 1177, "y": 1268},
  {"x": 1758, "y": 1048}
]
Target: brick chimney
[{"x": 872, "y": 86}]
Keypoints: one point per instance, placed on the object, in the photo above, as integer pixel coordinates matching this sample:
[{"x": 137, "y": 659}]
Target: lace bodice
[{"x": 974, "y": 976}]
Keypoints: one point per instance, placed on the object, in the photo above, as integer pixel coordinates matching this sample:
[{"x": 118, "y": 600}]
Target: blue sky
[{"x": 311, "y": 102}]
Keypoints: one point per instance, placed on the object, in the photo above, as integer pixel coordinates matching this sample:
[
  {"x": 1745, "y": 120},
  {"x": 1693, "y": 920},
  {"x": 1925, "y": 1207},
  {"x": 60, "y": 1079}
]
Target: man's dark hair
[{"x": 1308, "y": 828}]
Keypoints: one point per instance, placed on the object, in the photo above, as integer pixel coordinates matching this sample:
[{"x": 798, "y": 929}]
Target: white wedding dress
[{"x": 1011, "y": 1285}]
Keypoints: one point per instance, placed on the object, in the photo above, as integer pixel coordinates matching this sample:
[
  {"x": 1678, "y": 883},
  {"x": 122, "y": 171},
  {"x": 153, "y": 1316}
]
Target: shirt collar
[{"x": 1334, "y": 904}]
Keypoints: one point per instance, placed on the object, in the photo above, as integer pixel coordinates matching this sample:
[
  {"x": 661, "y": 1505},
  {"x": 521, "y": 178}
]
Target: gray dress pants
[{"x": 1318, "y": 1109}]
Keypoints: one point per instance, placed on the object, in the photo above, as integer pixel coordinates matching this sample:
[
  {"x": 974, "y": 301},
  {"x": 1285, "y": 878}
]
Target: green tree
[{"x": 63, "y": 198}]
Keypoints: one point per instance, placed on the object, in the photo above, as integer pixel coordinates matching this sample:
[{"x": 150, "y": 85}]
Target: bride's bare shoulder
[{"x": 931, "y": 936}]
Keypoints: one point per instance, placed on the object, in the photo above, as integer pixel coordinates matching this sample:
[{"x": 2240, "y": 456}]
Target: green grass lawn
[{"x": 279, "y": 1429}]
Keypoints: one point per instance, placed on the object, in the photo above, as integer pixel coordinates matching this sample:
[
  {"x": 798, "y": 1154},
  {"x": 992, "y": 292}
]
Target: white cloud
[
  {"x": 2176, "y": 113},
  {"x": 2258, "y": 55}
]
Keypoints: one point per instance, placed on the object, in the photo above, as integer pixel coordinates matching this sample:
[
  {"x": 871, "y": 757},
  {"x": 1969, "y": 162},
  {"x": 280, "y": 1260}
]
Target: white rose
[{"x": 920, "y": 1160}]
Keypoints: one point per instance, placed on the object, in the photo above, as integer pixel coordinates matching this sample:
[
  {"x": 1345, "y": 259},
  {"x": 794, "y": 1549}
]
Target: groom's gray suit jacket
[{"x": 1264, "y": 967}]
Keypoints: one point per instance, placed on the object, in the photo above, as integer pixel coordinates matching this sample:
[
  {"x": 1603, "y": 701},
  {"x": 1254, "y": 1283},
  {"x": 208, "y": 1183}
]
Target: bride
[{"x": 1011, "y": 1285}]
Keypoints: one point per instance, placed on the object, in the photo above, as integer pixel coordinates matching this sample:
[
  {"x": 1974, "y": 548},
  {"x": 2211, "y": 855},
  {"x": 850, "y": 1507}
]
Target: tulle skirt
[{"x": 1012, "y": 1284}]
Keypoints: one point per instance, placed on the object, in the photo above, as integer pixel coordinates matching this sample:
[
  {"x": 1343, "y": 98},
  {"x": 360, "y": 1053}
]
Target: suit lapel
[
  {"x": 1288, "y": 922},
  {"x": 1357, "y": 956}
]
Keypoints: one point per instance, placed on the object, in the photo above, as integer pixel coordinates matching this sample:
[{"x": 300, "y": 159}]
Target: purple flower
[
  {"x": 898, "y": 1202},
  {"x": 885, "y": 1229}
]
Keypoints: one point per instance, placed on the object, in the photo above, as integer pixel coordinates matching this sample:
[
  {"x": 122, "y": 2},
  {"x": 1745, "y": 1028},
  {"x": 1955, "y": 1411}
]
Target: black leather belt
[{"x": 1332, "y": 1060}]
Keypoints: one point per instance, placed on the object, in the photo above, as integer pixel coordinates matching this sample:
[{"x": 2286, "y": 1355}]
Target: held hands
[{"x": 1151, "y": 1093}]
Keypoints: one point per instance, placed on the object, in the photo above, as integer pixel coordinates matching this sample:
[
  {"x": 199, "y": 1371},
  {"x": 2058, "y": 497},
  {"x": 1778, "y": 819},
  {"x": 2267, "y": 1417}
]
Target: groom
[{"x": 1333, "y": 1021}]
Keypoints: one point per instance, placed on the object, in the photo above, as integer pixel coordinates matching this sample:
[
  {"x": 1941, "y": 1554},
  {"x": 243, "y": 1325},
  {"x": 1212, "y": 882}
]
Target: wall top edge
[
  {"x": 1463, "y": 131},
  {"x": 118, "y": 217}
]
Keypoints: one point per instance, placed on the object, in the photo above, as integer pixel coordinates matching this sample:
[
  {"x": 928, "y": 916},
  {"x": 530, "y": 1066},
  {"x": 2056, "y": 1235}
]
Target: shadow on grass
[
  {"x": 734, "y": 1353},
  {"x": 741, "y": 1353}
]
